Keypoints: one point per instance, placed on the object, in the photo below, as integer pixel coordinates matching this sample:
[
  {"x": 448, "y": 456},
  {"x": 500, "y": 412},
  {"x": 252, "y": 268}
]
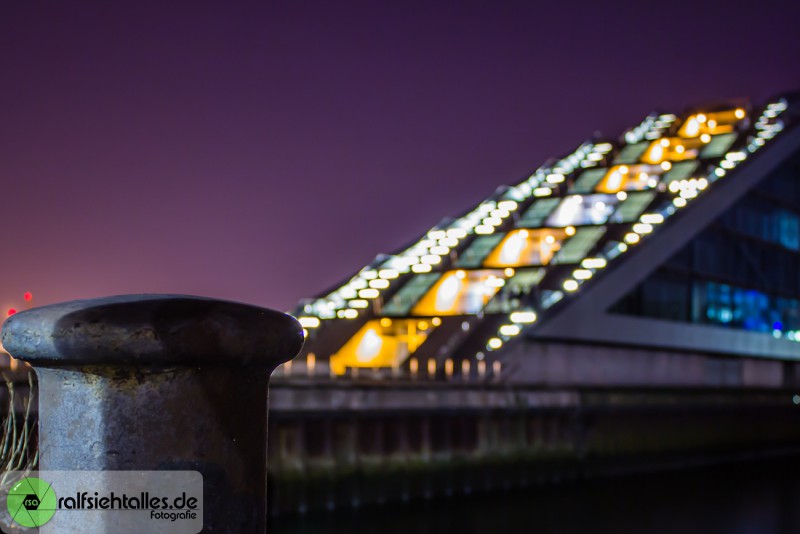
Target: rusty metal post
[{"x": 159, "y": 382}]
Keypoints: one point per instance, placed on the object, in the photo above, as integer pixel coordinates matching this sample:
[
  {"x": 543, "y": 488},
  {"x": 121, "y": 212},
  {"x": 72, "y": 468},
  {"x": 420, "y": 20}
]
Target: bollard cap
[{"x": 168, "y": 330}]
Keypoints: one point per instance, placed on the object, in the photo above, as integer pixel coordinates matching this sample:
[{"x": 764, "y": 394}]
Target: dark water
[{"x": 758, "y": 497}]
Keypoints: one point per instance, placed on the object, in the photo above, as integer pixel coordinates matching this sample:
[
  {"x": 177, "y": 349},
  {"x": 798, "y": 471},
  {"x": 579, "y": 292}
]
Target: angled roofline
[{"x": 585, "y": 317}]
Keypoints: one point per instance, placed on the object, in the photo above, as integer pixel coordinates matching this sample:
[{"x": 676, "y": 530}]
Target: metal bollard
[{"x": 159, "y": 382}]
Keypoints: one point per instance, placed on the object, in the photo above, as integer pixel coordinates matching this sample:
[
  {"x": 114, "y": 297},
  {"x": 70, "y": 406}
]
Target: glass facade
[
  {"x": 743, "y": 271},
  {"x": 496, "y": 268}
]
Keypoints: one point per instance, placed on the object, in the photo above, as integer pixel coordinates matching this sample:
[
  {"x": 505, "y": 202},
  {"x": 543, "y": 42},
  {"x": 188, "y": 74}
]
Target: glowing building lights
[
  {"x": 509, "y": 330},
  {"x": 526, "y": 247},
  {"x": 459, "y": 292},
  {"x": 652, "y": 218},
  {"x": 488, "y": 262},
  {"x": 594, "y": 263},
  {"x": 582, "y": 274},
  {"x": 308, "y": 322},
  {"x": 570, "y": 285},
  {"x": 522, "y": 317}
]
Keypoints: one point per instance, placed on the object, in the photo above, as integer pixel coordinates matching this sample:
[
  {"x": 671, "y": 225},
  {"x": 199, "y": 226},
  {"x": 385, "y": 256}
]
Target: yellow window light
[
  {"x": 631, "y": 238},
  {"x": 652, "y": 218},
  {"x": 523, "y": 317},
  {"x": 570, "y": 285},
  {"x": 523, "y": 247},
  {"x": 582, "y": 274},
  {"x": 671, "y": 149},
  {"x": 711, "y": 123},
  {"x": 309, "y": 322},
  {"x": 380, "y": 343},
  {"x": 459, "y": 293},
  {"x": 493, "y": 281},
  {"x": 509, "y": 330},
  {"x": 594, "y": 263},
  {"x": 627, "y": 178}
]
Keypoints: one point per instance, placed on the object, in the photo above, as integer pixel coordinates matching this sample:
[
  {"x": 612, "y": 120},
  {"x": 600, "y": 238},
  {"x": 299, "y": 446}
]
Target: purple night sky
[{"x": 261, "y": 151}]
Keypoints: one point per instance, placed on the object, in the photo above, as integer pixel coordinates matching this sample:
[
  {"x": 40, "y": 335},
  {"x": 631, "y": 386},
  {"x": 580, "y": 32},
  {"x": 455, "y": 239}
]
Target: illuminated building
[
  {"x": 635, "y": 303},
  {"x": 535, "y": 248}
]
